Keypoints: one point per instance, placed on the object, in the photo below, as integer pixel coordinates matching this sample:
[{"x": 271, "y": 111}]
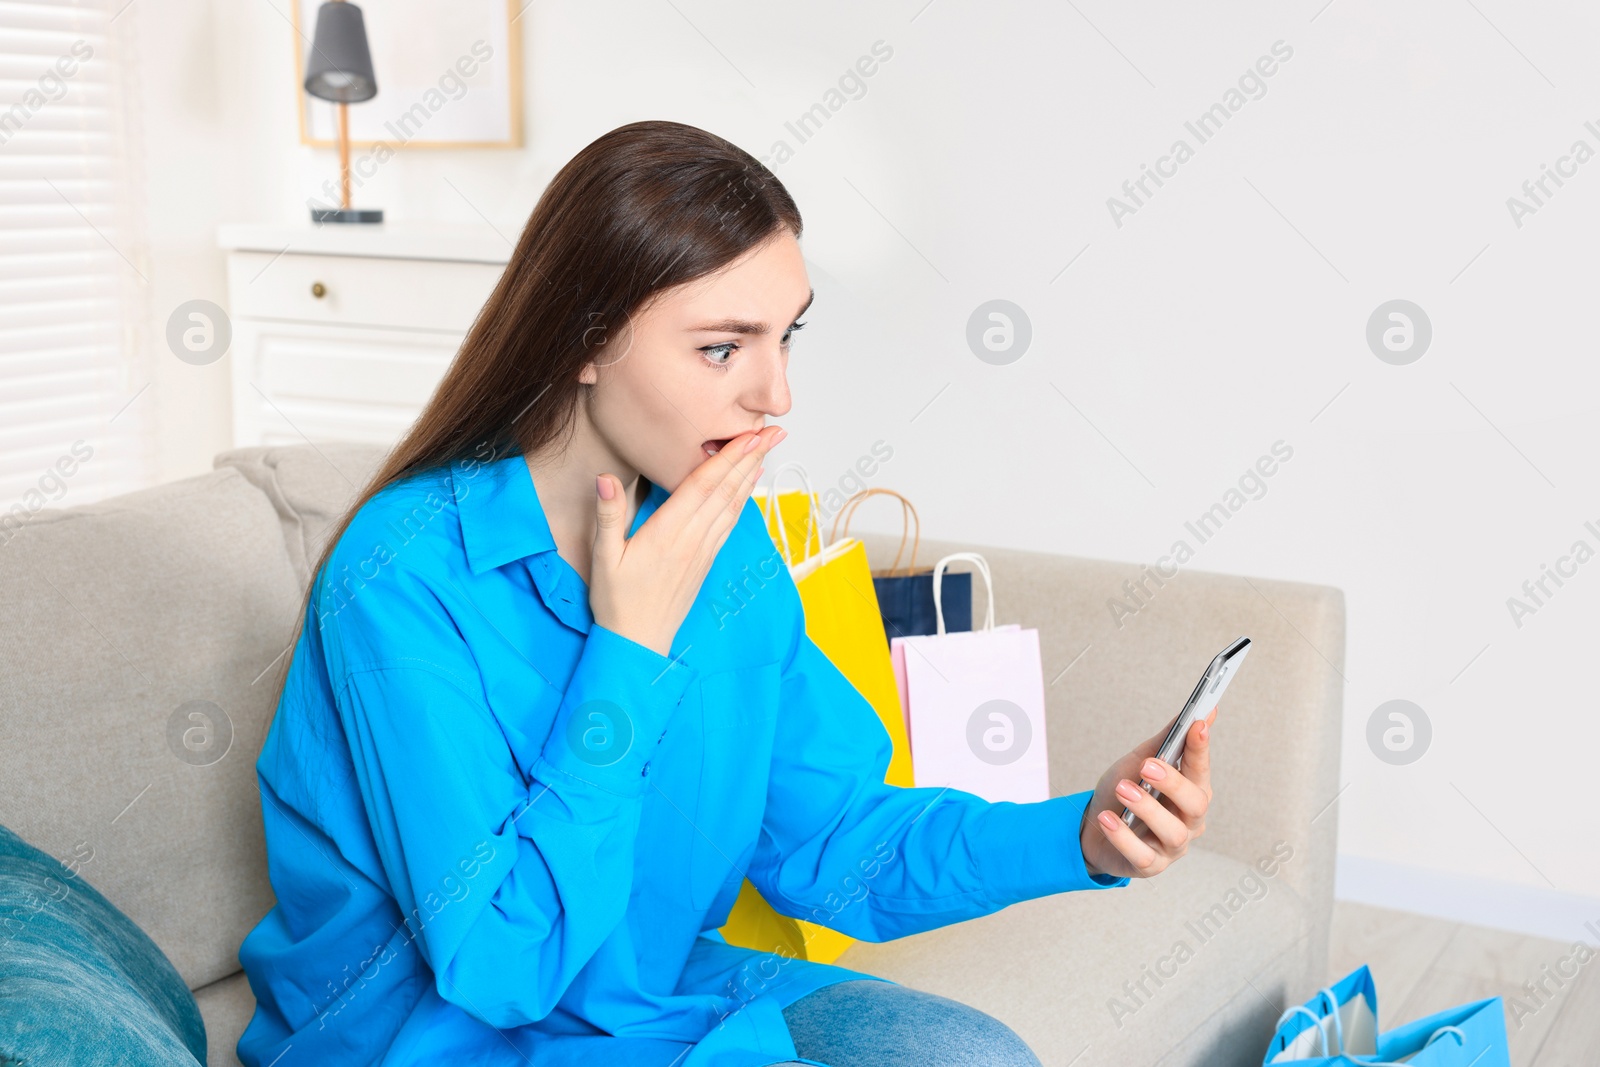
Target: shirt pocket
[{"x": 738, "y": 716}]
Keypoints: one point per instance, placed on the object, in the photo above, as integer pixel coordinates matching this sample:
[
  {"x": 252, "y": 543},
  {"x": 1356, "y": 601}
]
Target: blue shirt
[{"x": 500, "y": 832}]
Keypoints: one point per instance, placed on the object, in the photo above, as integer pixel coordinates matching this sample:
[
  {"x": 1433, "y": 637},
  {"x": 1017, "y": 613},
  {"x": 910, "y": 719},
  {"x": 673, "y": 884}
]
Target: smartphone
[{"x": 1205, "y": 696}]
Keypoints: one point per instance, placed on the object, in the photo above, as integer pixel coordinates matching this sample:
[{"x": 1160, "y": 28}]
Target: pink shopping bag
[{"x": 974, "y": 703}]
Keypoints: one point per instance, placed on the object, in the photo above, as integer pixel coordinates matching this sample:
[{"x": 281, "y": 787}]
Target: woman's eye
[
  {"x": 728, "y": 348},
  {"x": 712, "y": 350}
]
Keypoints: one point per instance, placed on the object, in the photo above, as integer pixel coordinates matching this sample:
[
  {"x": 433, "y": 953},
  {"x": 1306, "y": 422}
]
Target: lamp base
[{"x": 320, "y": 215}]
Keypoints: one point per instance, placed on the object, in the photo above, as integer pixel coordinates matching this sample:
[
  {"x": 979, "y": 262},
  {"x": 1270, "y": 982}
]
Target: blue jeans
[{"x": 862, "y": 1023}]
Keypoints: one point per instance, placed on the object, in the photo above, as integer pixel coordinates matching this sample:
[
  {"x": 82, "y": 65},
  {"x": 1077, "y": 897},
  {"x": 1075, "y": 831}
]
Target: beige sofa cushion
[
  {"x": 1195, "y": 959},
  {"x": 227, "y": 1007},
  {"x": 309, "y": 487},
  {"x": 117, "y": 615}
]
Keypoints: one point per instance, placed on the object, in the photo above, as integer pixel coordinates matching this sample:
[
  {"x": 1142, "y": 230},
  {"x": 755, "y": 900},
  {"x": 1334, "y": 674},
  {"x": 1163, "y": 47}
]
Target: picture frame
[{"x": 449, "y": 76}]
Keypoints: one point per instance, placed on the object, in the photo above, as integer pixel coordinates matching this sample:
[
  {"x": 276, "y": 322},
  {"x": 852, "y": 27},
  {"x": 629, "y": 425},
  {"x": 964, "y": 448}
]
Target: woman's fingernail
[
  {"x": 1108, "y": 820},
  {"x": 750, "y": 445},
  {"x": 1153, "y": 770},
  {"x": 1128, "y": 789}
]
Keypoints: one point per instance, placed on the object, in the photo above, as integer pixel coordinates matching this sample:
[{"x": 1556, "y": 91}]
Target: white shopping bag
[{"x": 974, "y": 703}]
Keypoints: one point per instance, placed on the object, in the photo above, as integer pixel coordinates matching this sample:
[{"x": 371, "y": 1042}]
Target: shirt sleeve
[
  {"x": 509, "y": 877},
  {"x": 841, "y": 848}
]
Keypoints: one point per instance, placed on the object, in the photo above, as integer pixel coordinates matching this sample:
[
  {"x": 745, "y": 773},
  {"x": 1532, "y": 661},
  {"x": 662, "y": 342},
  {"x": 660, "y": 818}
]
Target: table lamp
[{"x": 339, "y": 70}]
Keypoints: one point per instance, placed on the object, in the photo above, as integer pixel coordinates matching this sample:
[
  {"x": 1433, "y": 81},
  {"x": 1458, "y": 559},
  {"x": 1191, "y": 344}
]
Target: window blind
[{"x": 77, "y": 413}]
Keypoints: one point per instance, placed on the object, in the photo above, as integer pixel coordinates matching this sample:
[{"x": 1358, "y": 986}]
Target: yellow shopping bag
[
  {"x": 842, "y": 617},
  {"x": 795, "y": 529}
]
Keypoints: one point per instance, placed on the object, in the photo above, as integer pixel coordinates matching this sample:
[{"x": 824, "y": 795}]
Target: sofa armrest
[{"x": 1114, "y": 678}]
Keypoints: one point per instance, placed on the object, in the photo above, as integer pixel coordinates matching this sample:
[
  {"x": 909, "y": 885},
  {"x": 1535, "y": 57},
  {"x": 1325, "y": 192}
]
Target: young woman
[{"x": 552, "y": 700}]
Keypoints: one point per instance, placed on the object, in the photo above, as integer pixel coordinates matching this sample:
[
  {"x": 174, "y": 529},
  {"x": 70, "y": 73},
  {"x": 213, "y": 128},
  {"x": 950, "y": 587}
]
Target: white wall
[{"x": 1228, "y": 313}]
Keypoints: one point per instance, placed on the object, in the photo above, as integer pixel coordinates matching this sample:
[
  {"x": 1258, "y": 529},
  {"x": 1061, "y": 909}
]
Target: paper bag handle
[
  {"x": 938, "y": 578},
  {"x": 1324, "y": 994},
  {"x": 813, "y": 516},
  {"x": 848, "y": 512},
  {"x": 1316, "y": 1023},
  {"x": 1454, "y": 1031}
]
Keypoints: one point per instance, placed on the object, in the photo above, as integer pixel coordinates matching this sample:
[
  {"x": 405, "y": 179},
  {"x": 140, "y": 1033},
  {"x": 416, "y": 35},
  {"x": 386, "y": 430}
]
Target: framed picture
[{"x": 449, "y": 76}]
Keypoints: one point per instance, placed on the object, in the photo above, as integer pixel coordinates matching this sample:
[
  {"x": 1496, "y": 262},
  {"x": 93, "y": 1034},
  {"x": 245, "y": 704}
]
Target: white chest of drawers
[{"x": 341, "y": 333}]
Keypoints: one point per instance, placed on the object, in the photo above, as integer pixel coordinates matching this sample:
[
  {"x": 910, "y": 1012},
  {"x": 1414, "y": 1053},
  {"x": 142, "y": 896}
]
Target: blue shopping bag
[
  {"x": 905, "y": 596},
  {"x": 1339, "y": 1028}
]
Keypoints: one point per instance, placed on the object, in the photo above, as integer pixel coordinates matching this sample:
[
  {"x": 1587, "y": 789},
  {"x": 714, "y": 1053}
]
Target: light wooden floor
[{"x": 1423, "y": 965}]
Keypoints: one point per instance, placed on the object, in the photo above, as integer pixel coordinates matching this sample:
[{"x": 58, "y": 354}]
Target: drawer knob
[{"x": 319, "y": 290}]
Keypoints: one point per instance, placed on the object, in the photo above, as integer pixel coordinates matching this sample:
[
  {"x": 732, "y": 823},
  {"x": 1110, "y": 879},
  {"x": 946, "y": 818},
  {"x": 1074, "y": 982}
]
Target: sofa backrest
[
  {"x": 133, "y": 635},
  {"x": 140, "y": 648},
  {"x": 310, "y": 486}
]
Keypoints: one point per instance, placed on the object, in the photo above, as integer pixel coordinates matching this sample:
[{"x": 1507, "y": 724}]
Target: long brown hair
[{"x": 641, "y": 209}]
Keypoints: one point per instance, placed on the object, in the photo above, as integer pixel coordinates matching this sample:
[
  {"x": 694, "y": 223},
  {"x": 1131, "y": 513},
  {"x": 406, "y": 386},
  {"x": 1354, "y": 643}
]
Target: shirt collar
[{"x": 501, "y": 517}]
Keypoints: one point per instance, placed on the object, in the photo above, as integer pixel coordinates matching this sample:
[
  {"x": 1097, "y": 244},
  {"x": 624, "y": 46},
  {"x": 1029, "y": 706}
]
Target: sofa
[{"x": 125, "y": 616}]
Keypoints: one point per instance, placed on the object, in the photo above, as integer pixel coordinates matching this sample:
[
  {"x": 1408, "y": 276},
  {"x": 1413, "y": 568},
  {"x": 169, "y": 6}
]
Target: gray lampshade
[{"x": 339, "y": 67}]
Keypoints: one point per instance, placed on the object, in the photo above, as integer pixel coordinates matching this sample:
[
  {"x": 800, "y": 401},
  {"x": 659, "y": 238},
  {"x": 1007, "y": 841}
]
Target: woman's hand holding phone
[
  {"x": 1167, "y": 824},
  {"x": 643, "y": 586}
]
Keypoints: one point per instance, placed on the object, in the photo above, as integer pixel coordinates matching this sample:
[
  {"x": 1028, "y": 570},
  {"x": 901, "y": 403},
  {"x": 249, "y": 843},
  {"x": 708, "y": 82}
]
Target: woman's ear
[{"x": 588, "y": 375}]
